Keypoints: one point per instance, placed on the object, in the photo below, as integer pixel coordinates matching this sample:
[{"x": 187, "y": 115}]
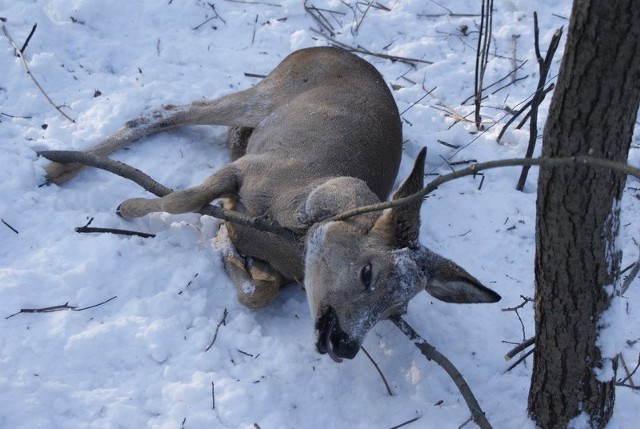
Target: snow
[{"x": 141, "y": 359}]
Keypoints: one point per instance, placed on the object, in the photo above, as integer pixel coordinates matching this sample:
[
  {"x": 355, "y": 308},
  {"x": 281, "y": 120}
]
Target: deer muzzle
[{"x": 332, "y": 340}]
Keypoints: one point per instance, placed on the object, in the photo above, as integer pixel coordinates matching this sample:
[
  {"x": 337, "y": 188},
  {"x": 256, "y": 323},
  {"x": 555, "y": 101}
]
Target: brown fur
[{"x": 319, "y": 135}]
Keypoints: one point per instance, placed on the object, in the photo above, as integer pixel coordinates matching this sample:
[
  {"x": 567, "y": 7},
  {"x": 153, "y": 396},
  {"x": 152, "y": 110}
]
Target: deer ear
[
  {"x": 449, "y": 282},
  {"x": 400, "y": 226}
]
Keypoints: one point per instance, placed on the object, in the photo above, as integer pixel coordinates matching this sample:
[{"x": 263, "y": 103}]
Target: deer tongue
[{"x": 328, "y": 344}]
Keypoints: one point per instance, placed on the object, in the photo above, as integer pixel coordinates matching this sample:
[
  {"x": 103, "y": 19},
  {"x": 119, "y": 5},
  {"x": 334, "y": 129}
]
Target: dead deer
[{"x": 321, "y": 134}]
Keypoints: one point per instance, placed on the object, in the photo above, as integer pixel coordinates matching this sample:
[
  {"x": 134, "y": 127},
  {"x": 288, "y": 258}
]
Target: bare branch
[
  {"x": 126, "y": 171},
  {"x": 519, "y": 112},
  {"x": 26, "y": 42},
  {"x": 137, "y": 176},
  {"x": 26, "y": 66},
  {"x": 515, "y": 310},
  {"x": 95, "y": 305},
  {"x": 415, "y": 419},
  {"x": 571, "y": 161},
  {"x": 406, "y": 60},
  {"x": 482, "y": 56},
  {"x": 213, "y": 395},
  {"x": 630, "y": 374},
  {"x": 375, "y": 365},
  {"x": 520, "y": 347},
  {"x": 545, "y": 66},
  {"x": 103, "y": 163},
  {"x": 628, "y": 385},
  {"x": 431, "y": 353},
  {"x": 9, "y": 226},
  {"x": 631, "y": 276},
  {"x": 319, "y": 17},
  {"x": 521, "y": 359},
  {"x": 222, "y": 321},
  {"x": 94, "y": 230},
  {"x": 60, "y": 307}
]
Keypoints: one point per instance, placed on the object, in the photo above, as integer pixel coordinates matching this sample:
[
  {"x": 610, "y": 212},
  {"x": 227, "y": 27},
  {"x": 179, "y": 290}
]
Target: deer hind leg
[
  {"x": 244, "y": 109},
  {"x": 255, "y": 281}
]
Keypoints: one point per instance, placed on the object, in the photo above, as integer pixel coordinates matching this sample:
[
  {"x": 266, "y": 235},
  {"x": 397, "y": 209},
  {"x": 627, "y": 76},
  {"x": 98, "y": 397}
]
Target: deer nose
[{"x": 332, "y": 339}]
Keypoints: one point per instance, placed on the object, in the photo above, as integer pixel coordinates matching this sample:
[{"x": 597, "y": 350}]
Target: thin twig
[
  {"x": 264, "y": 3},
  {"x": 629, "y": 373},
  {"x": 415, "y": 419},
  {"x": 545, "y": 66},
  {"x": 26, "y": 42},
  {"x": 508, "y": 84},
  {"x": 628, "y": 385},
  {"x": 519, "y": 112},
  {"x": 223, "y": 321},
  {"x": 95, "y": 305},
  {"x": 511, "y": 73},
  {"x": 92, "y": 230},
  {"x": 515, "y": 310},
  {"x": 521, "y": 359},
  {"x": 213, "y": 396},
  {"x": 26, "y": 66},
  {"x": 469, "y": 420},
  {"x": 359, "y": 22},
  {"x": 453, "y": 15},
  {"x": 60, "y": 307},
  {"x": 255, "y": 27},
  {"x": 451, "y": 145},
  {"x": 9, "y": 226},
  {"x": 631, "y": 276},
  {"x": 431, "y": 353},
  {"x": 520, "y": 347},
  {"x": 525, "y": 300},
  {"x": 317, "y": 15},
  {"x": 407, "y": 60},
  {"x": 384, "y": 380},
  {"x": 418, "y": 100},
  {"x": 482, "y": 56},
  {"x": 50, "y": 309},
  {"x": 15, "y": 117}
]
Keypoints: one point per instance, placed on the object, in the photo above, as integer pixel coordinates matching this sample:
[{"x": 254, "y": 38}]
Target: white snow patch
[{"x": 141, "y": 360}]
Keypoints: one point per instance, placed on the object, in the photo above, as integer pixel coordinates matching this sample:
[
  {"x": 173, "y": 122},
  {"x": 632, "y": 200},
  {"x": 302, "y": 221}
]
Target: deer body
[{"x": 321, "y": 134}]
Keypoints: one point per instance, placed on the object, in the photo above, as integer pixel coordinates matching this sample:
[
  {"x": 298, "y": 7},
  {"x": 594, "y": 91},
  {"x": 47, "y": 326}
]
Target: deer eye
[{"x": 365, "y": 276}]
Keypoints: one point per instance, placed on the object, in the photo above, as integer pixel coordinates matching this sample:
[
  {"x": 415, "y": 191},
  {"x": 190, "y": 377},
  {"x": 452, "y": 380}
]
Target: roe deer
[{"x": 321, "y": 134}]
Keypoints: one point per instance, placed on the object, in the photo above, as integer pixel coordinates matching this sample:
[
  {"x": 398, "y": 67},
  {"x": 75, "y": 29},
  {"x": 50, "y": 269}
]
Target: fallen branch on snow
[
  {"x": 93, "y": 229},
  {"x": 431, "y": 353},
  {"x": 61, "y": 307},
  {"x": 126, "y": 171},
  {"x": 26, "y": 66}
]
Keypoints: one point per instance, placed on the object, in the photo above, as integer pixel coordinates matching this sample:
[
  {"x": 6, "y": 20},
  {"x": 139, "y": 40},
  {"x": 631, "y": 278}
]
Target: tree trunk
[{"x": 577, "y": 263}]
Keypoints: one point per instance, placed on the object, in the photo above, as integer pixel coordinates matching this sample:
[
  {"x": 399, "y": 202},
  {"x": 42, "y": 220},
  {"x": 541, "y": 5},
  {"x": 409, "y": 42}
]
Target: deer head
[{"x": 367, "y": 268}]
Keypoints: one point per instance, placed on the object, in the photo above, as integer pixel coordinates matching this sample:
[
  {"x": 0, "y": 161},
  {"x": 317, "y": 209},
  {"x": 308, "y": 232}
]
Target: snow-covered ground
[{"x": 143, "y": 359}]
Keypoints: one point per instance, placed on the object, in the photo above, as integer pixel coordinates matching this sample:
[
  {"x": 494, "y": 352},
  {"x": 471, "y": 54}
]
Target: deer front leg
[
  {"x": 223, "y": 182},
  {"x": 255, "y": 281}
]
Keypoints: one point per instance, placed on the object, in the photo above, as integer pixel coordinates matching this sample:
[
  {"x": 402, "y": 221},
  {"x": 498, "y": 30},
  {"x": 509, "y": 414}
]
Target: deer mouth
[{"x": 332, "y": 340}]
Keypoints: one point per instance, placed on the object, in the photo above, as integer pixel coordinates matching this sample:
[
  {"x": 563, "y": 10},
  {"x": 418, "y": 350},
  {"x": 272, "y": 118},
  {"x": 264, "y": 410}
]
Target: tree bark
[{"x": 577, "y": 262}]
